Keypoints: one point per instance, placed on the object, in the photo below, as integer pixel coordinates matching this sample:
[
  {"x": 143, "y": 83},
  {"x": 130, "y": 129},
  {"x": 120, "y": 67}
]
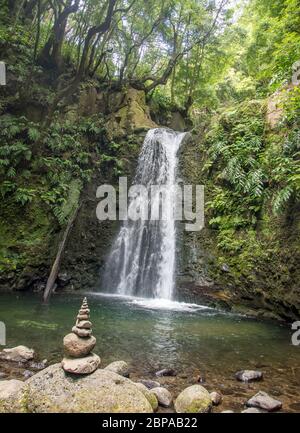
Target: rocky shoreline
[{"x": 114, "y": 388}]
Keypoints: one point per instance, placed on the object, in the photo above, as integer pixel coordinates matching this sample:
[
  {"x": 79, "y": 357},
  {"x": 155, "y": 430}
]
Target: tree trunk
[{"x": 56, "y": 265}]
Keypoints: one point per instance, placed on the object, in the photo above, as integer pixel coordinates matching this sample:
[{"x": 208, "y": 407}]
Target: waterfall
[{"x": 142, "y": 259}]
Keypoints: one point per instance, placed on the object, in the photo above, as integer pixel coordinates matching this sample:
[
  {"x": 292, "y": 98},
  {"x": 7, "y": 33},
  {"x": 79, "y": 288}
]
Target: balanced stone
[
  {"x": 78, "y": 347},
  {"x": 82, "y": 332},
  {"x": 84, "y": 324},
  {"x": 86, "y": 365},
  {"x": 79, "y": 344}
]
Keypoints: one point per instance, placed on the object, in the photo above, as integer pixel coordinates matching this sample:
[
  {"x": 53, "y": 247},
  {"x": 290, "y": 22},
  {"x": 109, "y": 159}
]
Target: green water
[{"x": 194, "y": 342}]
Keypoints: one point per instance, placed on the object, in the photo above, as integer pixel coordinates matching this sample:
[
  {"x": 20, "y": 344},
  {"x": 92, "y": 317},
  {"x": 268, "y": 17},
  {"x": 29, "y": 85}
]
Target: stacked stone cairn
[{"x": 78, "y": 345}]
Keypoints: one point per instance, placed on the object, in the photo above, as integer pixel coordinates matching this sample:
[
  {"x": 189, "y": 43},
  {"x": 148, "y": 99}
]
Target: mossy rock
[
  {"x": 194, "y": 399},
  {"x": 54, "y": 391}
]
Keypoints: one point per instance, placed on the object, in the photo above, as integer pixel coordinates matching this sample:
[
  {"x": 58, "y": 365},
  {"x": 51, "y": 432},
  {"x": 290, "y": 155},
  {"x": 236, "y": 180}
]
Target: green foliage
[
  {"x": 51, "y": 171},
  {"x": 250, "y": 168}
]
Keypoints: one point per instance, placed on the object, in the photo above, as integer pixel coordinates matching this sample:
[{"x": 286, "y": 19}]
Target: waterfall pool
[{"x": 196, "y": 341}]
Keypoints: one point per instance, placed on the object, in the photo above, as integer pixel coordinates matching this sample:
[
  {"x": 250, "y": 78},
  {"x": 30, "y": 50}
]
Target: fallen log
[{"x": 56, "y": 265}]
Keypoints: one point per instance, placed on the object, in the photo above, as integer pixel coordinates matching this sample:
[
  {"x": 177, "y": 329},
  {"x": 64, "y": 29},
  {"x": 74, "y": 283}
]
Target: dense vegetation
[{"x": 225, "y": 66}]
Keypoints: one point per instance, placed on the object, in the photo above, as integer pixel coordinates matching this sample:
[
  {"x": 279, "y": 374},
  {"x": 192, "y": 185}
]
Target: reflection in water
[{"x": 163, "y": 340}]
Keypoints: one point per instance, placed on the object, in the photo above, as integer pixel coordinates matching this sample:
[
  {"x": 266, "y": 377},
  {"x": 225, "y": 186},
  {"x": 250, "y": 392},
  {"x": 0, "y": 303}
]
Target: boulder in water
[
  {"x": 53, "y": 391},
  {"x": 249, "y": 375},
  {"x": 194, "y": 399},
  {"x": 149, "y": 396},
  {"x": 119, "y": 367},
  {"x": 164, "y": 397},
  {"x": 17, "y": 354},
  {"x": 264, "y": 401}
]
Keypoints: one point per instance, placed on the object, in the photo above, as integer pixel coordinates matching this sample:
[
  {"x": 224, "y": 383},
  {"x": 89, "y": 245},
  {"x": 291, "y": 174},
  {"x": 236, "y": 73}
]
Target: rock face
[
  {"x": 119, "y": 367},
  {"x": 17, "y": 354},
  {"x": 264, "y": 401},
  {"x": 194, "y": 399},
  {"x": 249, "y": 375},
  {"x": 79, "y": 344},
  {"x": 52, "y": 390},
  {"x": 163, "y": 396}
]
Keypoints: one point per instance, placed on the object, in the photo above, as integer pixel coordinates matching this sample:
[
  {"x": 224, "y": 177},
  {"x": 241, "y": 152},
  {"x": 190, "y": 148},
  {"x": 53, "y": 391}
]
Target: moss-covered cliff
[{"x": 247, "y": 257}]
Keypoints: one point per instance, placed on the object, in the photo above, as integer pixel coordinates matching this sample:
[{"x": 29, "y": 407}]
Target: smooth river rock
[
  {"x": 166, "y": 372},
  {"x": 150, "y": 383},
  {"x": 164, "y": 397},
  {"x": 77, "y": 347},
  {"x": 149, "y": 396},
  {"x": 54, "y": 391},
  {"x": 264, "y": 401},
  {"x": 119, "y": 367},
  {"x": 86, "y": 365},
  {"x": 249, "y": 375},
  {"x": 251, "y": 410},
  {"x": 194, "y": 399},
  {"x": 216, "y": 398},
  {"x": 17, "y": 354}
]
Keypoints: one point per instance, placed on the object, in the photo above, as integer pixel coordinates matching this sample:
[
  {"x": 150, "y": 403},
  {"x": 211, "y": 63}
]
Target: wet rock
[
  {"x": 77, "y": 347},
  {"x": 2, "y": 375},
  {"x": 9, "y": 388},
  {"x": 53, "y": 391},
  {"x": 38, "y": 365},
  {"x": 63, "y": 279},
  {"x": 166, "y": 372},
  {"x": 251, "y": 410},
  {"x": 164, "y": 397},
  {"x": 264, "y": 401},
  {"x": 194, "y": 399},
  {"x": 200, "y": 378},
  {"x": 86, "y": 365},
  {"x": 249, "y": 375},
  {"x": 149, "y": 396},
  {"x": 17, "y": 354},
  {"x": 119, "y": 367},
  {"x": 150, "y": 383},
  {"x": 27, "y": 374},
  {"x": 216, "y": 398}
]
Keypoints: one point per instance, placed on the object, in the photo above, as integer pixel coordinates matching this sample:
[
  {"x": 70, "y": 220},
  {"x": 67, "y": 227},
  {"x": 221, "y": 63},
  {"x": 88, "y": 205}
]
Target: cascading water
[{"x": 142, "y": 260}]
